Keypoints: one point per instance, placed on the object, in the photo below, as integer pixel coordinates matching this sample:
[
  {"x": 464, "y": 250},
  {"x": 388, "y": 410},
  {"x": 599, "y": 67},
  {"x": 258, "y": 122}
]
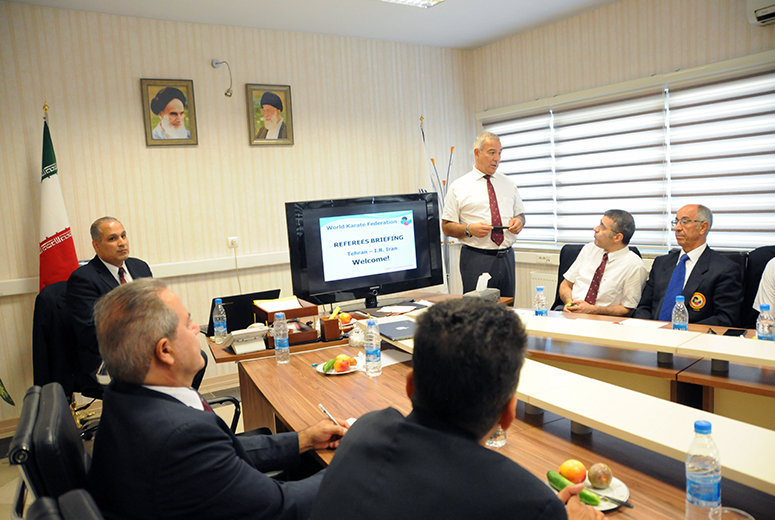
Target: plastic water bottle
[
  {"x": 219, "y": 321},
  {"x": 764, "y": 324},
  {"x": 372, "y": 343},
  {"x": 539, "y": 304},
  {"x": 282, "y": 350},
  {"x": 703, "y": 474},
  {"x": 680, "y": 314}
]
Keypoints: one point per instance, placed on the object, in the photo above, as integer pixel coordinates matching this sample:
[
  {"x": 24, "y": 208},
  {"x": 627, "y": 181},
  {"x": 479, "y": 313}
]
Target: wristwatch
[{"x": 468, "y": 233}]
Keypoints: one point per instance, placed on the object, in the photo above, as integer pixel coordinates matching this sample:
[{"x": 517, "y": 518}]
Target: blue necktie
[{"x": 674, "y": 288}]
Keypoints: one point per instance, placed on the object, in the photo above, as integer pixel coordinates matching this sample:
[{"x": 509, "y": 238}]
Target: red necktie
[
  {"x": 121, "y": 278},
  {"x": 496, "y": 235},
  {"x": 594, "y": 287},
  {"x": 205, "y": 404}
]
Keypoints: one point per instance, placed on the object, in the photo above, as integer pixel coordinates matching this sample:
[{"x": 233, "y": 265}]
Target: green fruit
[
  {"x": 329, "y": 365},
  {"x": 559, "y": 482}
]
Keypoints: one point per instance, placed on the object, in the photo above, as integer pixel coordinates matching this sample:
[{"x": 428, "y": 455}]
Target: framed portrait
[
  {"x": 169, "y": 112},
  {"x": 270, "y": 120}
]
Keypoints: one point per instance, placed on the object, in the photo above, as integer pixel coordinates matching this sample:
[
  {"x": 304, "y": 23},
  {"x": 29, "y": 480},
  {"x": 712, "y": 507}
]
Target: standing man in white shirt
[
  {"x": 484, "y": 211},
  {"x": 606, "y": 278},
  {"x": 766, "y": 292}
]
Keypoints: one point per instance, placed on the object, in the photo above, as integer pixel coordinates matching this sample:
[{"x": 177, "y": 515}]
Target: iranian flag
[{"x": 57, "y": 250}]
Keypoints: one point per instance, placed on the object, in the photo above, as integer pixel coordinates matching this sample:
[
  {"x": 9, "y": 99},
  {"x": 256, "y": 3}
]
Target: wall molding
[{"x": 18, "y": 286}]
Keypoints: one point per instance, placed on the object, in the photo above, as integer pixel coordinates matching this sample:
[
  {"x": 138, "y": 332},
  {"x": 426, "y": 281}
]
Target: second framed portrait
[
  {"x": 270, "y": 120},
  {"x": 169, "y": 112}
]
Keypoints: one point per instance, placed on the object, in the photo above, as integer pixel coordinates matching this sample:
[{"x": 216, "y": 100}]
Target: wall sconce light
[{"x": 216, "y": 64}]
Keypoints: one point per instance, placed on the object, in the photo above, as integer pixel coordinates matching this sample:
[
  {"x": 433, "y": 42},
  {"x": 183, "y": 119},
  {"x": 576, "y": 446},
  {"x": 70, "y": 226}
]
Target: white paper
[
  {"x": 397, "y": 309},
  {"x": 391, "y": 357},
  {"x": 278, "y": 305},
  {"x": 481, "y": 283},
  {"x": 647, "y": 324}
]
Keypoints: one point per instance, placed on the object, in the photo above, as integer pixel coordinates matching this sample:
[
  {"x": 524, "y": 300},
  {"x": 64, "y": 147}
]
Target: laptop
[
  {"x": 397, "y": 330},
  {"x": 240, "y": 311}
]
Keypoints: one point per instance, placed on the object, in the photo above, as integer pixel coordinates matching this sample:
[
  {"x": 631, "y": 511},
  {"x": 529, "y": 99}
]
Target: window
[{"x": 649, "y": 149}]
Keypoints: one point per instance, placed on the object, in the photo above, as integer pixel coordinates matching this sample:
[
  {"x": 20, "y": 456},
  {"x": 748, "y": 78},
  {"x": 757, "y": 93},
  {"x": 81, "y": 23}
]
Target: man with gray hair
[
  {"x": 711, "y": 284},
  {"x": 606, "y": 278},
  {"x": 160, "y": 453},
  {"x": 484, "y": 211}
]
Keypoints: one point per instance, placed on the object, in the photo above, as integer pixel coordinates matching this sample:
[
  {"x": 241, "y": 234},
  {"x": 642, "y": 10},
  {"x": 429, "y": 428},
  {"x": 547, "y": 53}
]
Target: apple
[
  {"x": 574, "y": 471},
  {"x": 345, "y": 318},
  {"x": 341, "y": 364},
  {"x": 600, "y": 475}
]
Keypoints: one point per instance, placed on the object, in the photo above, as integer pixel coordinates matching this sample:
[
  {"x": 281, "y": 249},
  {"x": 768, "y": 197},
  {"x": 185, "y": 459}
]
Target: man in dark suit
[
  {"x": 158, "y": 453},
  {"x": 433, "y": 463},
  {"x": 104, "y": 272},
  {"x": 711, "y": 285}
]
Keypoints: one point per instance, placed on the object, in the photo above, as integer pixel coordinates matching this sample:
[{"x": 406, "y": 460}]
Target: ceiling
[{"x": 462, "y": 24}]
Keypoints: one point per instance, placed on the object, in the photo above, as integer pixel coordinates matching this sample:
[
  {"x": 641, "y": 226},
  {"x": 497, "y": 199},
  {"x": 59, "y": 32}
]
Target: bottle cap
[
  {"x": 371, "y": 321},
  {"x": 679, "y": 298},
  {"x": 702, "y": 427},
  {"x": 279, "y": 316},
  {"x": 540, "y": 288},
  {"x": 218, "y": 301},
  {"x": 764, "y": 307}
]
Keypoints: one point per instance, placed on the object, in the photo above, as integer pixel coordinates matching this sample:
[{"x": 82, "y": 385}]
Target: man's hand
[
  {"x": 580, "y": 306},
  {"x": 573, "y": 506},
  {"x": 321, "y": 436},
  {"x": 515, "y": 225},
  {"x": 480, "y": 229}
]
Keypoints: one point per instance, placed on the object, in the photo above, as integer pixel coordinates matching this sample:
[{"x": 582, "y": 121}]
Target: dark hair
[
  {"x": 467, "y": 356},
  {"x": 623, "y": 223},
  {"x": 163, "y": 98}
]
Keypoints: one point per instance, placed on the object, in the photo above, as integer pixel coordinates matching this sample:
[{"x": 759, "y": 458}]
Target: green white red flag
[{"x": 57, "y": 249}]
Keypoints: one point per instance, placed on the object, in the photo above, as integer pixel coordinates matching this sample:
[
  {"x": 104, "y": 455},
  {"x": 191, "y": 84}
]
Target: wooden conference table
[{"x": 287, "y": 396}]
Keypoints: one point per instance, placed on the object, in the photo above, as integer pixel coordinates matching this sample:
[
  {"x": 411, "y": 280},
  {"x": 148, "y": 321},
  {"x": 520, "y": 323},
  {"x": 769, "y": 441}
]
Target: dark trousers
[{"x": 499, "y": 263}]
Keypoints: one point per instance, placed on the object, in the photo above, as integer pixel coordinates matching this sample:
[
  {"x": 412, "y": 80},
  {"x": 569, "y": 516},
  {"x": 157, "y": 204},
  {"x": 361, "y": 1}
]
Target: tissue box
[{"x": 490, "y": 294}]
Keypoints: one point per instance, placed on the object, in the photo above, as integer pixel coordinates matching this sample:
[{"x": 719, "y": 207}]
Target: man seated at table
[
  {"x": 158, "y": 453},
  {"x": 606, "y": 278},
  {"x": 710, "y": 283},
  {"x": 433, "y": 463}
]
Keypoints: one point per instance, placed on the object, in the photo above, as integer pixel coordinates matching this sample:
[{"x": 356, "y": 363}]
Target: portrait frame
[
  {"x": 256, "y": 115},
  {"x": 149, "y": 88}
]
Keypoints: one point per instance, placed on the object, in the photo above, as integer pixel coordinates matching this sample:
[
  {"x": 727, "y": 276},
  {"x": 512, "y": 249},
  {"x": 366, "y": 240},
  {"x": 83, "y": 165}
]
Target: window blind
[{"x": 649, "y": 153}]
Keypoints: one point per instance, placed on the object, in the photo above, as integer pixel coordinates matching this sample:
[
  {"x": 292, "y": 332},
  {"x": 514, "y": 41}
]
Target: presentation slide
[{"x": 367, "y": 244}]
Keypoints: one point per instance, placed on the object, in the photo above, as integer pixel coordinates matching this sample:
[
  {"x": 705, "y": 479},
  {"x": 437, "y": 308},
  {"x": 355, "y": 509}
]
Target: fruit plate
[
  {"x": 359, "y": 363},
  {"x": 617, "y": 489}
]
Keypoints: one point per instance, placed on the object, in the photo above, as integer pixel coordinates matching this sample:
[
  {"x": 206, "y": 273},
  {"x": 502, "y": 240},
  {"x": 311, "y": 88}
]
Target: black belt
[{"x": 489, "y": 252}]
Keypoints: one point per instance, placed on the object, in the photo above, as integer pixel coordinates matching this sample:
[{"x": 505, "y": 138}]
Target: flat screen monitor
[{"x": 348, "y": 249}]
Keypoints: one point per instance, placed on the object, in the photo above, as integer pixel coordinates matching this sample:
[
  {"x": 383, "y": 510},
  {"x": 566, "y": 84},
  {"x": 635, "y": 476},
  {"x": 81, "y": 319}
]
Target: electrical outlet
[
  {"x": 544, "y": 259},
  {"x": 233, "y": 242}
]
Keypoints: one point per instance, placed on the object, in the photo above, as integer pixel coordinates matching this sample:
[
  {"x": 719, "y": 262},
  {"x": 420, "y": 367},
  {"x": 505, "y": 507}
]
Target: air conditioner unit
[{"x": 760, "y": 12}]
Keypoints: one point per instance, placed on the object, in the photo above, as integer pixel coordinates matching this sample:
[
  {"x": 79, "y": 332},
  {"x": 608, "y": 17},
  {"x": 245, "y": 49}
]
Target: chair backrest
[
  {"x": 77, "y": 504},
  {"x": 757, "y": 261},
  {"x": 568, "y": 255},
  {"x": 59, "y": 453},
  {"x": 55, "y": 344},
  {"x": 22, "y": 451}
]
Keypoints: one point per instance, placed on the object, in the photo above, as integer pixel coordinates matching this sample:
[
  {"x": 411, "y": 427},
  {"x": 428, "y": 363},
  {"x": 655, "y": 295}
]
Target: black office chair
[
  {"x": 47, "y": 446},
  {"x": 757, "y": 261},
  {"x": 77, "y": 504},
  {"x": 568, "y": 255}
]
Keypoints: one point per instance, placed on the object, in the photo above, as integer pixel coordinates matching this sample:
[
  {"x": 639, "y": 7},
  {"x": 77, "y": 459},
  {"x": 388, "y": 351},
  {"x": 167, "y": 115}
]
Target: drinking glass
[{"x": 497, "y": 439}]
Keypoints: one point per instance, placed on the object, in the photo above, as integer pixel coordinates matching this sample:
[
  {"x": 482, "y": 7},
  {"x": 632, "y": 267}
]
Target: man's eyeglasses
[{"x": 683, "y": 221}]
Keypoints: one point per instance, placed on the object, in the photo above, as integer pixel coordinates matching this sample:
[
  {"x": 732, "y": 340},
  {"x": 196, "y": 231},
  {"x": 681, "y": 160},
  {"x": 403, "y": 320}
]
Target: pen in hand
[{"x": 328, "y": 414}]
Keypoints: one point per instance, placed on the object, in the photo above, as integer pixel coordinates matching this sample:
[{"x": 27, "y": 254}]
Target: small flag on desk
[{"x": 57, "y": 250}]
